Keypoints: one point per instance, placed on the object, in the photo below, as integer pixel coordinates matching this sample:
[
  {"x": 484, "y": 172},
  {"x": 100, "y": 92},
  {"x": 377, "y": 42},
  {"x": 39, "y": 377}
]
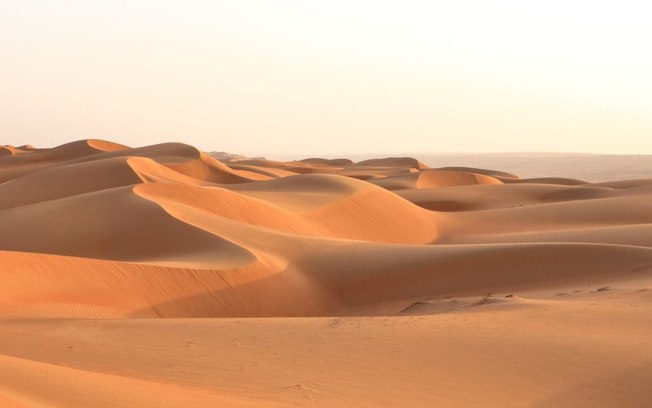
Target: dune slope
[{"x": 128, "y": 272}]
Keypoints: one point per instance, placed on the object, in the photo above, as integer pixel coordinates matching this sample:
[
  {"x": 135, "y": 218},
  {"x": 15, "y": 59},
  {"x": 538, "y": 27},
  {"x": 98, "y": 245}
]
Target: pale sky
[{"x": 329, "y": 77}]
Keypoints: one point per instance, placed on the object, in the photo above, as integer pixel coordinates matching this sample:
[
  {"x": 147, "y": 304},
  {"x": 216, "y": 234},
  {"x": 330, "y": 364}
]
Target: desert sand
[{"x": 159, "y": 276}]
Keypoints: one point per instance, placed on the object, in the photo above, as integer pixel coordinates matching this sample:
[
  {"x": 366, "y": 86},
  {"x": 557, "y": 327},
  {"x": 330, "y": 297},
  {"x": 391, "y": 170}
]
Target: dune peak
[{"x": 126, "y": 272}]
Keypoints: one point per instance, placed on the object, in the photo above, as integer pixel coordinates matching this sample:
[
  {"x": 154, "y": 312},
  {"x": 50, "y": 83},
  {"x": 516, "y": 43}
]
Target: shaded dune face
[
  {"x": 382, "y": 283},
  {"x": 167, "y": 230}
]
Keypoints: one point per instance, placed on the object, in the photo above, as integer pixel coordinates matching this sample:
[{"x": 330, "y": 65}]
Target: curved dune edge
[
  {"x": 338, "y": 277},
  {"x": 114, "y": 224},
  {"x": 434, "y": 178},
  {"x": 158, "y": 276},
  {"x": 469, "y": 270},
  {"x": 168, "y": 231},
  {"x": 357, "y": 211},
  {"x": 54, "y": 286}
]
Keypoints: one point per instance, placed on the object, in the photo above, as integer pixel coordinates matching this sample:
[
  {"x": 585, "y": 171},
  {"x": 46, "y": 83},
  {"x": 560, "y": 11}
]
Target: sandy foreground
[{"x": 161, "y": 277}]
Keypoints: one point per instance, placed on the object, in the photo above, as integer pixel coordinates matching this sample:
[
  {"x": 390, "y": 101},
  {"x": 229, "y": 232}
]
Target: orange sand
[{"x": 161, "y": 277}]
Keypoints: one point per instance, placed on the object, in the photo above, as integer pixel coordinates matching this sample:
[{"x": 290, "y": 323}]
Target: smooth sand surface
[{"x": 160, "y": 277}]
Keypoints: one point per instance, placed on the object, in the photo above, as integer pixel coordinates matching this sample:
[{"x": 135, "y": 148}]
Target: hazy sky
[{"x": 329, "y": 76}]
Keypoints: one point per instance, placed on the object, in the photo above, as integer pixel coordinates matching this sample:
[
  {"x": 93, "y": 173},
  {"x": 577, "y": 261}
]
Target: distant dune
[
  {"x": 582, "y": 166},
  {"x": 466, "y": 280}
]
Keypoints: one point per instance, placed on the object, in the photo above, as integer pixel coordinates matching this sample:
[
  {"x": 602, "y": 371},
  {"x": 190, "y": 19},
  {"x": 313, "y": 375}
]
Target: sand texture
[{"x": 161, "y": 277}]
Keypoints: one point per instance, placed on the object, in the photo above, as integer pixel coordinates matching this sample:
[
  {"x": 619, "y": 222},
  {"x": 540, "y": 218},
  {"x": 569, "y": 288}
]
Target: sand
[{"x": 161, "y": 277}]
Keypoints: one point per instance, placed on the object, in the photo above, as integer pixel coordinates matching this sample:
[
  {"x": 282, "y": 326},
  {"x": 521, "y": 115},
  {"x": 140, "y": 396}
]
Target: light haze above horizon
[{"x": 358, "y": 77}]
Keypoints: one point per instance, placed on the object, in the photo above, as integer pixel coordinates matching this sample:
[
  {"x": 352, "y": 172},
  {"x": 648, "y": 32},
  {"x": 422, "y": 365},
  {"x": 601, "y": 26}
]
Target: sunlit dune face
[
  {"x": 307, "y": 77},
  {"x": 325, "y": 204},
  {"x": 158, "y": 276}
]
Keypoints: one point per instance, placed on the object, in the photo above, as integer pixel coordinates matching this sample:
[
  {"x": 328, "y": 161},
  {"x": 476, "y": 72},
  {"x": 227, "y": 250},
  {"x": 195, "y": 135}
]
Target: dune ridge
[{"x": 397, "y": 263}]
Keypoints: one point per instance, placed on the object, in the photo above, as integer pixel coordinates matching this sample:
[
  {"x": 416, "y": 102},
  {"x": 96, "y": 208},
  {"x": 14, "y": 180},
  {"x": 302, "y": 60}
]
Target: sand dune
[
  {"x": 434, "y": 178},
  {"x": 403, "y": 162},
  {"x": 378, "y": 283}
]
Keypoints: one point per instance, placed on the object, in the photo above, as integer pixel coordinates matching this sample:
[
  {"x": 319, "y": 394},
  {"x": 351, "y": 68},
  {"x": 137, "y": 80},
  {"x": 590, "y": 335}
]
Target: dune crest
[
  {"x": 452, "y": 284},
  {"x": 171, "y": 205}
]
